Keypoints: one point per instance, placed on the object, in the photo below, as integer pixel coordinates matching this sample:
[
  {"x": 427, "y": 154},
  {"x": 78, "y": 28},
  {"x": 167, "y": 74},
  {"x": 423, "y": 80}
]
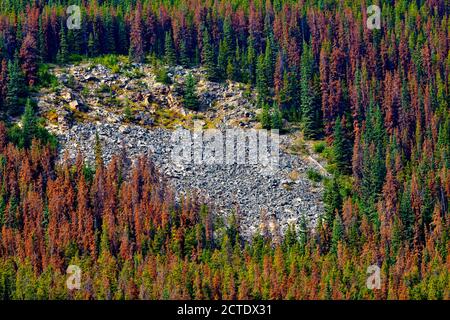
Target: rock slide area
[{"x": 130, "y": 111}]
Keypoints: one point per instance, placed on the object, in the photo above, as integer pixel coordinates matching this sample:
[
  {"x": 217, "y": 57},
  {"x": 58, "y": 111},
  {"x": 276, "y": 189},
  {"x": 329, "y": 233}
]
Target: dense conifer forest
[{"x": 379, "y": 98}]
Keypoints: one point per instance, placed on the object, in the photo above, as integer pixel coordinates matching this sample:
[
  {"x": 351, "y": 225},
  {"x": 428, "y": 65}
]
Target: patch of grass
[
  {"x": 51, "y": 116},
  {"x": 135, "y": 73},
  {"x": 80, "y": 116},
  {"x": 209, "y": 123},
  {"x": 294, "y": 175},
  {"x": 168, "y": 118},
  {"x": 314, "y": 175},
  {"x": 85, "y": 92},
  {"x": 198, "y": 116},
  {"x": 212, "y": 124},
  {"x": 299, "y": 146},
  {"x": 115, "y": 69},
  {"x": 104, "y": 88},
  {"x": 327, "y": 153},
  {"x": 319, "y": 147},
  {"x": 331, "y": 168},
  {"x": 115, "y": 88},
  {"x": 110, "y": 61},
  {"x": 125, "y": 102},
  {"x": 112, "y": 101}
]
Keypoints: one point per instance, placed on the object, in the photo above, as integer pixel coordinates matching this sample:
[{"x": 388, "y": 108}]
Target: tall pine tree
[
  {"x": 261, "y": 81},
  {"x": 341, "y": 148},
  {"x": 208, "y": 57},
  {"x": 63, "y": 52},
  {"x": 190, "y": 99},
  {"x": 15, "y": 87},
  {"x": 309, "y": 108},
  {"x": 169, "y": 50}
]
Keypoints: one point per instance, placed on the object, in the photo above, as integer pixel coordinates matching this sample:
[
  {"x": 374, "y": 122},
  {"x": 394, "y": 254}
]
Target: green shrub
[
  {"x": 128, "y": 114},
  {"x": 75, "y": 58},
  {"x": 328, "y": 154},
  {"x": 264, "y": 117},
  {"x": 115, "y": 69},
  {"x": 248, "y": 92},
  {"x": 104, "y": 88},
  {"x": 313, "y": 175},
  {"x": 134, "y": 73},
  {"x": 85, "y": 91},
  {"x": 319, "y": 147},
  {"x": 277, "y": 119},
  {"x": 45, "y": 78},
  {"x": 162, "y": 76},
  {"x": 110, "y": 61}
]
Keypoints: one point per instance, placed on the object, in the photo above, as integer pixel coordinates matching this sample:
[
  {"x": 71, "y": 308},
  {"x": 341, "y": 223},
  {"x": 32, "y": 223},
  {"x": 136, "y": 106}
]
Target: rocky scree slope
[{"x": 90, "y": 102}]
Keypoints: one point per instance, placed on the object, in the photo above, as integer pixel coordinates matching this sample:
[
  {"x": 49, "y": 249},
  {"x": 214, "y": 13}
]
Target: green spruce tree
[
  {"x": 309, "y": 110},
  {"x": 15, "y": 87},
  {"x": 190, "y": 99},
  {"x": 223, "y": 59},
  {"x": 208, "y": 57},
  {"x": 261, "y": 81},
  {"x": 265, "y": 116},
  {"x": 63, "y": 52},
  {"x": 92, "y": 47},
  {"x": 277, "y": 118},
  {"x": 332, "y": 200},
  {"x": 184, "y": 54},
  {"x": 251, "y": 60},
  {"x": 341, "y": 149},
  {"x": 169, "y": 51},
  {"x": 29, "y": 126},
  {"x": 269, "y": 60},
  {"x": 230, "y": 72},
  {"x": 337, "y": 234}
]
